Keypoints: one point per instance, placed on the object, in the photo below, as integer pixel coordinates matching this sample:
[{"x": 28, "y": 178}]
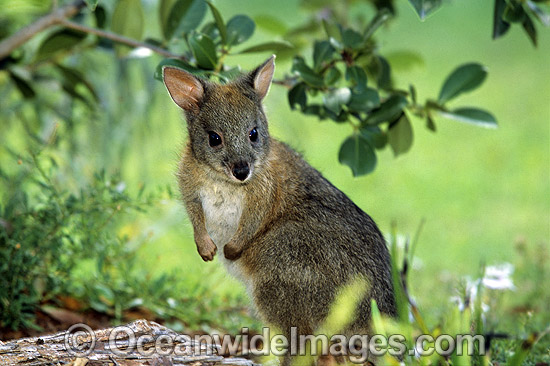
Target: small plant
[
  {"x": 473, "y": 313},
  {"x": 47, "y": 232}
]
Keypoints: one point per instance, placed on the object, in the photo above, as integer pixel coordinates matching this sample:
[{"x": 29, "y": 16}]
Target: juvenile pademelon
[{"x": 291, "y": 236}]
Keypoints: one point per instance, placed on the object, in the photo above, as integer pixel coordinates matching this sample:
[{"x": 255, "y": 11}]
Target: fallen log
[{"x": 141, "y": 342}]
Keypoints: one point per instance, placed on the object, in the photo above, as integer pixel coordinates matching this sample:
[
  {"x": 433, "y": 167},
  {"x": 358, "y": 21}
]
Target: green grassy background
[{"x": 479, "y": 190}]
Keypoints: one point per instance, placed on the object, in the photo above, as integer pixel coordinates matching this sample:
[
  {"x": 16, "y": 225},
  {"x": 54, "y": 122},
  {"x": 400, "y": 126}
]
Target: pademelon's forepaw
[
  {"x": 206, "y": 248},
  {"x": 231, "y": 252}
]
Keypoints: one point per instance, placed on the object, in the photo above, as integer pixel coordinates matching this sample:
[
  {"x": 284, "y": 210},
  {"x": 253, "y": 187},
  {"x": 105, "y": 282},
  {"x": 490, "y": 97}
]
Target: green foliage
[
  {"x": 520, "y": 12},
  {"x": 347, "y": 79},
  {"x": 64, "y": 39},
  {"x": 183, "y": 16},
  {"x": 464, "y": 78},
  {"x": 44, "y": 236},
  {"x": 357, "y": 153},
  {"x": 467, "y": 316},
  {"x": 425, "y": 7}
]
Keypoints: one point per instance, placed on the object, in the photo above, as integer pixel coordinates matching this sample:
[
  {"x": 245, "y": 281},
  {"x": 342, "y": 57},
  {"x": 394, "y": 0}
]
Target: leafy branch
[
  {"x": 347, "y": 81},
  {"x": 25, "y": 34},
  {"x": 60, "y": 16}
]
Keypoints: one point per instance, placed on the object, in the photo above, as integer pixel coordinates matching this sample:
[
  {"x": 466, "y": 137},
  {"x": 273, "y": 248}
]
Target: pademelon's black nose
[{"x": 241, "y": 171}]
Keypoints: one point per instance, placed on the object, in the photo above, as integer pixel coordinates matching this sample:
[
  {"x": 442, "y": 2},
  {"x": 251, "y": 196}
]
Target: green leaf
[
  {"x": 323, "y": 52},
  {"x": 339, "y": 46},
  {"x": 239, "y": 29},
  {"x": 379, "y": 19},
  {"x": 23, "y": 86},
  {"x": 73, "y": 92},
  {"x": 315, "y": 110},
  {"x": 271, "y": 24},
  {"x": 62, "y": 40},
  {"x": 306, "y": 73},
  {"x": 474, "y": 116},
  {"x": 128, "y": 20},
  {"x": 389, "y": 111},
  {"x": 357, "y": 153},
  {"x": 400, "y": 135},
  {"x": 430, "y": 124},
  {"x": 332, "y": 76},
  {"x": 357, "y": 75},
  {"x": 364, "y": 100},
  {"x": 334, "y": 99},
  {"x": 345, "y": 305},
  {"x": 543, "y": 17},
  {"x": 500, "y": 27},
  {"x": 351, "y": 39},
  {"x": 75, "y": 77},
  {"x": 412, "y": 93},
  {"x": 165, "y": 8},
  {"x": 383, "y": 79},
  {"x": 100, "y": 16},
  {"x": 229, "y": 74},
  {"x": 219, "y": 22},
  {"x": 204, "y": 50},
  {"x": 332, "y": 30},
  {"x": 514, "y": 13},
  {"x": 211, "y": 30},
  {"x": 297, "y": 95},
  {"x": 464, "y": 78},
  {"x": 273, "y": 46},
  {"x": 184, "y": 16},
  {"x": 341, "y": 117},
  {"x": 177, "y": 63},
  {"x": 530, "y": 29},
  {"x": 375, "y": 135},
  {"x": 92, "y": 4},
  {"x": 425, "y": 7}
]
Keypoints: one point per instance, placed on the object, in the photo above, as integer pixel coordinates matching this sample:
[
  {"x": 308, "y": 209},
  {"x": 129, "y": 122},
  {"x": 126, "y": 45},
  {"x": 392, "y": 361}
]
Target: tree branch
[
  {"x": 60, "y": 17},
  {"x": 55, "y": 17},
  {"x": 287, "y": 82},
  {"x": 118, "y": 38}
]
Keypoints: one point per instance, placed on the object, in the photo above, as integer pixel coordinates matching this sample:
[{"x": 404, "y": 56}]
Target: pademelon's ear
[
  {"x": 185, "y": 89},
  {"x": 263, "y": 76}
]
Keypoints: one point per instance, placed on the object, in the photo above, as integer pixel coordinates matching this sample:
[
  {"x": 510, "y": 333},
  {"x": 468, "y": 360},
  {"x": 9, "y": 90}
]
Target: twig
[
  {"x": 118, "y": 38},
  {"x": 60, "y": 17},
  {"x": 55, "y": 17}
]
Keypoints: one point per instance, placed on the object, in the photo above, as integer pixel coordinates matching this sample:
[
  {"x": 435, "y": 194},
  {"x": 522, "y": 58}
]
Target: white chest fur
[{"x": 222, "y": 205}]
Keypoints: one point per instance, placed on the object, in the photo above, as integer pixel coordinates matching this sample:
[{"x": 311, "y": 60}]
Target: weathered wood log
[{"x": 141, "y": 342}]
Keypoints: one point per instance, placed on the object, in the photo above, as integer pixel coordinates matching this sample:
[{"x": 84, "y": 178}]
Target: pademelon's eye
[
  {"x": 214, "y": 139},
  {"x": 253, "y": 135}
]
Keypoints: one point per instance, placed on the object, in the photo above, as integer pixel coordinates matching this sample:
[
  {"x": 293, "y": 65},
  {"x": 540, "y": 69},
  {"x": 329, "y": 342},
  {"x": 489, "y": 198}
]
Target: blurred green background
[{"x": 481, "y": 192}]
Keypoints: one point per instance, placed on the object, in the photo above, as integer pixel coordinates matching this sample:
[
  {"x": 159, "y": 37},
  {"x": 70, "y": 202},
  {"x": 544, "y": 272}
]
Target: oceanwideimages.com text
[{"x": 80, "y": 340}]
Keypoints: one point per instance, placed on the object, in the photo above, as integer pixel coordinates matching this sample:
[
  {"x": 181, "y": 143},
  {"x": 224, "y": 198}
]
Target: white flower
[{"x": 499, "y": 277}]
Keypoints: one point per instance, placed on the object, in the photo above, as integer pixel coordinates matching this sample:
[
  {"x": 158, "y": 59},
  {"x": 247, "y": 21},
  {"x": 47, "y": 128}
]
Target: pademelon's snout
[{"x": 241, "y": 170}]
